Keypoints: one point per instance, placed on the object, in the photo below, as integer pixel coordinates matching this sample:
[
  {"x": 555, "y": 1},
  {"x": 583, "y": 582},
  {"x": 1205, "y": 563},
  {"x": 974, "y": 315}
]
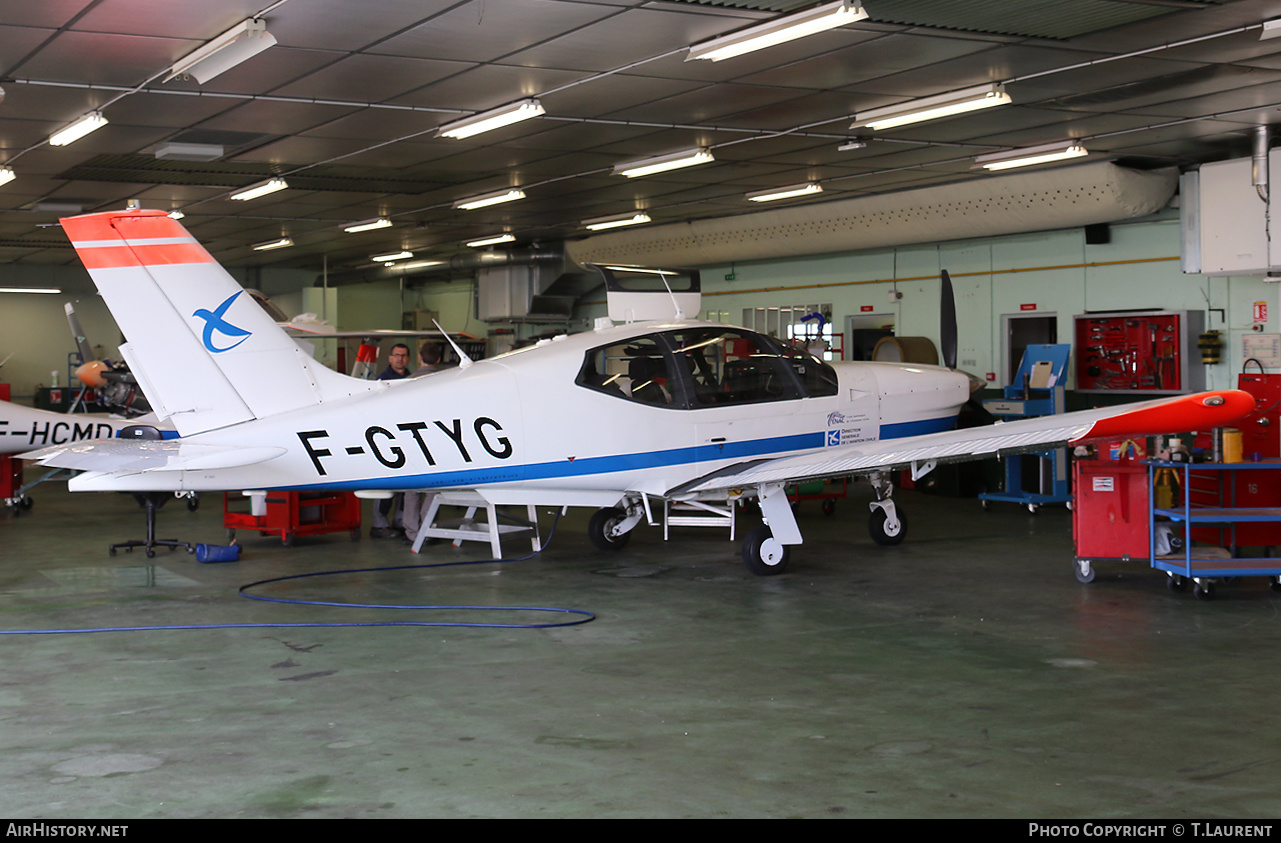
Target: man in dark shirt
[
  {"x": 386, "y": 510},
  {"x": 397, "y": 363}
]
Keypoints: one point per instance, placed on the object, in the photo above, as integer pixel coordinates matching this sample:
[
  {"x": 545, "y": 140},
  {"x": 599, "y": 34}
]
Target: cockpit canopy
[{"x": 705, "y": 366}]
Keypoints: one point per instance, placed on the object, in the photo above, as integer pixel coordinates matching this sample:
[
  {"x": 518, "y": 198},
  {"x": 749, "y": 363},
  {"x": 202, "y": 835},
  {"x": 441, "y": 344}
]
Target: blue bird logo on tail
[{"x": 214, "y": 321}]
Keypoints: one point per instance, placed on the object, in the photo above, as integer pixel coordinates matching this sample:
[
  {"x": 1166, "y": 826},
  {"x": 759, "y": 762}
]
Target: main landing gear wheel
[
  {"x": 602, "y": 529},
  {"x": 883, "y": 533},
  {"x": 763, "y": 554}
]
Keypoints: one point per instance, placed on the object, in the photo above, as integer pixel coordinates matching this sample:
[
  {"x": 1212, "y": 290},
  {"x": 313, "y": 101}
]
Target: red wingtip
[{"x": 1201, "y": 411}]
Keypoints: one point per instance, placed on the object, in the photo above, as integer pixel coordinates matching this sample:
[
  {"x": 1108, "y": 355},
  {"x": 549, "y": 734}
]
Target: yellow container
[{"x": 1233, "y": 445}]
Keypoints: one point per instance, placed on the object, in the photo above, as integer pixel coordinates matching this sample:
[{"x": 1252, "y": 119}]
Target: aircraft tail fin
[{"x": 211, "y": 356}]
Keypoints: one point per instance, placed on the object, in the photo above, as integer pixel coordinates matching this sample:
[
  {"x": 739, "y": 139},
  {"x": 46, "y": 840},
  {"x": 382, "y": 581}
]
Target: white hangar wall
[{"x": 1025, "y": 274}]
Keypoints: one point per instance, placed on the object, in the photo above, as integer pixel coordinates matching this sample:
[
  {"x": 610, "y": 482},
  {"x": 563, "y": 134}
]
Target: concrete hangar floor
[{"x": 963, "y": 673}]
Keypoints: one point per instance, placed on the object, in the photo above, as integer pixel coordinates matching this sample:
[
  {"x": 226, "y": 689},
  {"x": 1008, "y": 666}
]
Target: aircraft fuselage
[{"x": 563, "y": 421}]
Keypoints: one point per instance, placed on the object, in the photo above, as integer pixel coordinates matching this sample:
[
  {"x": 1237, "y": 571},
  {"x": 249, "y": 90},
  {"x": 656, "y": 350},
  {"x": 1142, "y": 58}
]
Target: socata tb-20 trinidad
[{"x": 613, "y": 418}]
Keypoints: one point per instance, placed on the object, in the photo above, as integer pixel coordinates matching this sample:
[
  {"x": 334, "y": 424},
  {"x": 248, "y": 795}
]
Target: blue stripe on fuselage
[
  {"x": 917, "y": 427},
  {"x": 622, "y": 462}
]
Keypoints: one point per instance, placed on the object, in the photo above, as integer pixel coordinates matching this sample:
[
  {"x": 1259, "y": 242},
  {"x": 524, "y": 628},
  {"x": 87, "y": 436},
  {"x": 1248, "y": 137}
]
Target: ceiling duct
[{"x": 1065, "y": 197}]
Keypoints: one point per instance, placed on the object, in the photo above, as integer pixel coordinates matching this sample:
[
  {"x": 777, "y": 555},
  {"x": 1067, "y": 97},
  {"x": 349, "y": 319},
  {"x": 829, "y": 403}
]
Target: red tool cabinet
[
  {"x": 1261, "y": 438},
  {"x": 1138, "y": 352},
  {"x": 1109, "y": 512}
]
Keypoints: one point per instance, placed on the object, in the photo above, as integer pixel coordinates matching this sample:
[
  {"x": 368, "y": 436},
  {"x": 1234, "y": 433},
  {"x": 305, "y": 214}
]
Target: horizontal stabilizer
[{"x": 132, "y": 456}]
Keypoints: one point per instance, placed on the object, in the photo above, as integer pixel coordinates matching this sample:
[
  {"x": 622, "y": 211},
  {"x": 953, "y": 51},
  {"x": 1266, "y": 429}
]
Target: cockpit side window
[
  {"x": 817, "y": 377},
  {"x": 636, "y": 370},
  {"x": 728, "y": 366}
]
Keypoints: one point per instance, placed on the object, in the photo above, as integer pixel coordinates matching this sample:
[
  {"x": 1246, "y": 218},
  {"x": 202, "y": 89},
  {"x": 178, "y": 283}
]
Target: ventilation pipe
[
  {"x": 1064, "y": 197},
  {"x": 1259, "y": 161}
]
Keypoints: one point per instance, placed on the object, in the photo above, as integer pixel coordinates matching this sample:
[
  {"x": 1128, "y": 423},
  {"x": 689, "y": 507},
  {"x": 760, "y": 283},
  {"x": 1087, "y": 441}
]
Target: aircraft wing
[
  {"x": 320, "y": 331},
  {"x": 1173, "y": 415},
  {"x": 133, "y": 455}
]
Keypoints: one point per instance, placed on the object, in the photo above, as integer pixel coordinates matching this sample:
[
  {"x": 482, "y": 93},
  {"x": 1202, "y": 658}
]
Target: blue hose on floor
[{"x": 581, "y": 616}]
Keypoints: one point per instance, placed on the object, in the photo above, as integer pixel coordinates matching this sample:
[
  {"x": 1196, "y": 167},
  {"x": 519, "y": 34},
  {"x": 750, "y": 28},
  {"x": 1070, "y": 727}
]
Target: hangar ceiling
[{"x": 346, "y": 106}]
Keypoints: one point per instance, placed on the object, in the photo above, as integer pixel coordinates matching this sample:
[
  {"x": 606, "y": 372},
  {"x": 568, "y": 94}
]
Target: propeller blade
[
  {"x": 82, "y": 344},
  {"x": 947, "y": 326}
]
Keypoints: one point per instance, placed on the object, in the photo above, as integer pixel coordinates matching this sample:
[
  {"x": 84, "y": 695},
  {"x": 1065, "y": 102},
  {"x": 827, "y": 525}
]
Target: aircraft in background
[
  {"x": 24, "y": 428},
  {"x": 616, "y": 418}
]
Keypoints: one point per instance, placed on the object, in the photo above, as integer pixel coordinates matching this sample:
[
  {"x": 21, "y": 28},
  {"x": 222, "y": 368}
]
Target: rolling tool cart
[
  {"x": 291, "y": 514},
  {"x": 1224, "y": 517},
  {"x": 829, "y": 492},
  {"x": 11, "y": 475}
]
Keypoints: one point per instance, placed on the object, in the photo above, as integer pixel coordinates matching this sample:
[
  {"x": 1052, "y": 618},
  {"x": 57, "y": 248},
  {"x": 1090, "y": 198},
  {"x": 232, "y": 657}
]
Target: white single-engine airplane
[{"x": 612, "y": 418}]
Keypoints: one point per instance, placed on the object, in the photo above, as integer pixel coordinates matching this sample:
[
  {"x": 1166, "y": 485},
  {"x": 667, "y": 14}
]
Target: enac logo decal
[{"x": 214, "y": 321}]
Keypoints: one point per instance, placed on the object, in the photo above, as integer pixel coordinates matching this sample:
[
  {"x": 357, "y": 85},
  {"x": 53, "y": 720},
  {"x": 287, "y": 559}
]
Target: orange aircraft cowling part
[
  {"x": 90, "y": 374},
  {"x": 1202, "y": 411}
]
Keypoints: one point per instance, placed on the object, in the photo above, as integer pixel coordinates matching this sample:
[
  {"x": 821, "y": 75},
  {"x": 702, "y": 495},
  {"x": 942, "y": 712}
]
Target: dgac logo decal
[{"x": 215, "y": 322}]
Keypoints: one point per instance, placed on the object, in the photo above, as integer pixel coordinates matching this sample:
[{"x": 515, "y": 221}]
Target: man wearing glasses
[{"x": 387, "y": 511}]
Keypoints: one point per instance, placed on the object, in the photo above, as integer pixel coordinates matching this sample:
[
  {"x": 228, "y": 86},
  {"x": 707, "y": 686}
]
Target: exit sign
[{"x": 1027, "y": 307}]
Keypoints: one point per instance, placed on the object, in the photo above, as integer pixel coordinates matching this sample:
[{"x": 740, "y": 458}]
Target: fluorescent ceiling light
[
  {"x": 367, "y": 225},
  {"x": 777, "y": 31},
  {"x": 785, "y": 192},
  {"x": 47, "y": 206},
  {"x": 46, "y": 290},
  {"x": 490, "y": 241},
  {"x": 495, "y": 118},
  {"x": 272, "y": 244},
  {"x": 932, "y": 108},
  {"x": 662, "y": 163},
  {"x": 243, "y": 41},
  {"x": 7, "y": 175},
  {"x": 420, "y": 264},
  {"x": 260, "y": 189},
  {"x": 618, "y": 221},
  {"x": 91, "y": 122},
  {"x": 1271, "y": 29},
  {"x": 488, "y": 199},
  {"x": 1030, "y": 155},
  {"x": 174, "y": 151},
  {"x": 398, "y": 256}
]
